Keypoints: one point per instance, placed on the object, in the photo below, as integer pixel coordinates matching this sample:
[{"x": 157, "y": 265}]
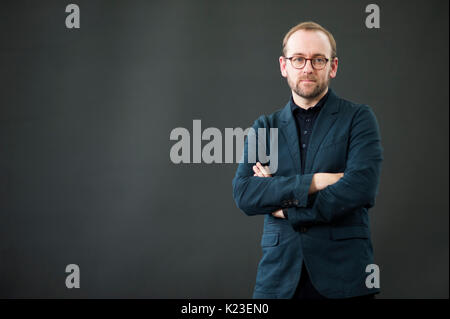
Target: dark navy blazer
[{"x": 328, "y": 230}]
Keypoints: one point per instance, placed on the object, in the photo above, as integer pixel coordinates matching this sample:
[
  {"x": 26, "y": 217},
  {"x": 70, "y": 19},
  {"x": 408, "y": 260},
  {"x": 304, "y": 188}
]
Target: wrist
[{"x": 316, "y": 183}]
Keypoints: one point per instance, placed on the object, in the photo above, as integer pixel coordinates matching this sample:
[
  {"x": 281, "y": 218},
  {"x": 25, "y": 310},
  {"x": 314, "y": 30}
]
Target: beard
[{"x": 318, "y": 89}]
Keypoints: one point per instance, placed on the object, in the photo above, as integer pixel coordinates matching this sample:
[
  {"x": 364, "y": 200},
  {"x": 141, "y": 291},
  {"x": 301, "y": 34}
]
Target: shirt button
[
  {"x": 306, "y": 132},
  {"x": 304, "y": 146}
]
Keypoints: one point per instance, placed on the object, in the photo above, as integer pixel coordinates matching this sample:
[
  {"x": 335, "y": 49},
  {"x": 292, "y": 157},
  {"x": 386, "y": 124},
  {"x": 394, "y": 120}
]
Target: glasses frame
[{"x": 306, "y": 61}]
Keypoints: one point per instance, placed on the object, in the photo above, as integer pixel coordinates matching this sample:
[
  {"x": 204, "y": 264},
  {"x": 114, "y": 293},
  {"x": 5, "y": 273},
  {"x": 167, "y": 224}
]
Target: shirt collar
[{"x": 316, "y": 108}]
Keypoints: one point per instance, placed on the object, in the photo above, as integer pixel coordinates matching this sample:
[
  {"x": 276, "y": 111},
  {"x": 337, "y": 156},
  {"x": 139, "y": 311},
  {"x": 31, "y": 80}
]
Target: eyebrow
[{"x": 314, "y": 55}]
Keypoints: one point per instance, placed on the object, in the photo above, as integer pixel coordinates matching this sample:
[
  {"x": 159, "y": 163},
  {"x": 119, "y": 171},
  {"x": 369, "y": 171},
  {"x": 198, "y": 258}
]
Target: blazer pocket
[
  {"x": 270, "y": 239},
  {"x": 347, "y": 232}
]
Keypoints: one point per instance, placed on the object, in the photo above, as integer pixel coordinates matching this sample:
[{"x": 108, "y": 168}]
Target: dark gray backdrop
[{"x": 85, "y": 173}]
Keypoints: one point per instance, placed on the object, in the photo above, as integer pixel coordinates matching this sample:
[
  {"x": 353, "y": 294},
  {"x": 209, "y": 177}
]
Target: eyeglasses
[{"x": 299, "y": 62}]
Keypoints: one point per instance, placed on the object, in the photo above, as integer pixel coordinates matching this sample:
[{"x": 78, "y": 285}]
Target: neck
[{"x": 306, "y": 103}]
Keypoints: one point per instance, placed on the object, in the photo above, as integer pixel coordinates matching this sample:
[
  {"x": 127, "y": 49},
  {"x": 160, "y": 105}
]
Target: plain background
[{"x": 85, "y": 119}]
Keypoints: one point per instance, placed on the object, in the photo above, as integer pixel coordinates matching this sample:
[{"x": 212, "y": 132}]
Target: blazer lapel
[
  {"x": 326, "y": 118},
  {"x": 289, "y": 130}
]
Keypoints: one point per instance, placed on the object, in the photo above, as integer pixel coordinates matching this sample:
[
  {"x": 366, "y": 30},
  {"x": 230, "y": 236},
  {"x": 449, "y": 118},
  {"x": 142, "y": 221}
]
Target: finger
[
  {"x": 263, "y": 171},
  {"x": 261, "y": 168},
  {"x": 267, "y": 170},
  {"x": 257, "y": 171}
]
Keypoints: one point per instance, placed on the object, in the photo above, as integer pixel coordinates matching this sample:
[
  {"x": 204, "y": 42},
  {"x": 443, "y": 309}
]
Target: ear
[
  {"x": 283, "y": 66},
  {"x": 334, "y": 67}
]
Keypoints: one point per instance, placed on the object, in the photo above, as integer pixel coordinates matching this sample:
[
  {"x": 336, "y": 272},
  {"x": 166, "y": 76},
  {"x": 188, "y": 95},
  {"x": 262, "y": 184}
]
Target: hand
[
  {"x": 278, "y": 213},
  {"x": 261, "y": 171},
  {"x": 323, "y": 180}
]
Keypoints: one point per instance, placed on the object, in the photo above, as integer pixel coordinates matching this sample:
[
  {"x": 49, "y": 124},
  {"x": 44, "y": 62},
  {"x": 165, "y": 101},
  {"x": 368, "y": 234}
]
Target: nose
[{"x": 308, "y": 68}]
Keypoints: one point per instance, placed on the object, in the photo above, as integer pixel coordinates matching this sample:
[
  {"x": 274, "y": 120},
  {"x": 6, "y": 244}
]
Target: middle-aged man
[{"x": 316, "y": 240}]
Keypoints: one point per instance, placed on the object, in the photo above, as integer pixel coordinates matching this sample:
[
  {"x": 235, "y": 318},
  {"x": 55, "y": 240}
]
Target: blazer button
[{"x": 303, "y": 229}]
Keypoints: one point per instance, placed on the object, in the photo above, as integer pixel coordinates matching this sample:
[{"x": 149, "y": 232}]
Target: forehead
[{"x": 308, "y": 42}]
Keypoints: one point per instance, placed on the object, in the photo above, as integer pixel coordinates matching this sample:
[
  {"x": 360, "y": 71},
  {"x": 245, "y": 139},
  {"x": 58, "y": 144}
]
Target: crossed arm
[
  {"x": 337, "y": 194},
  {"x": 318, "y": 182}
]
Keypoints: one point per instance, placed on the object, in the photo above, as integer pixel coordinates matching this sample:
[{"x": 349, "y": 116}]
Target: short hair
[{"x": 310, "y": 26}]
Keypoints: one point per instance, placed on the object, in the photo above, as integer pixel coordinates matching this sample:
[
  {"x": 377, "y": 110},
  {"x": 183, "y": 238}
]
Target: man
[{"x": 316, "y": 241}]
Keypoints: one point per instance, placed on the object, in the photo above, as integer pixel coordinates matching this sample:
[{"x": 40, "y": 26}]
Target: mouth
[{"x": 307, "y": 81}]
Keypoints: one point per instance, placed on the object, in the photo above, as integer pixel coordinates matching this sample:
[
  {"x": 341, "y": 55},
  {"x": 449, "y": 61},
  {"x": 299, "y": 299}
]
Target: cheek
[
  {"x": 322, "y": 77},
  {"x": 327, "y": 75},
  {"x": 289, "y": 76}
]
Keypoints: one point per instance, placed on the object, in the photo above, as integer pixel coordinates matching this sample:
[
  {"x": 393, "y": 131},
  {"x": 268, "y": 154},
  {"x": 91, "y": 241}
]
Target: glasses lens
[
  {"x": 319, "y": 63},
  {"x": 298, "y": 62}
]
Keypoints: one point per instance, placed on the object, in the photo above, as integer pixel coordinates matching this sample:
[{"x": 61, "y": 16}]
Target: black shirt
[{"x": 304, "y": 119}]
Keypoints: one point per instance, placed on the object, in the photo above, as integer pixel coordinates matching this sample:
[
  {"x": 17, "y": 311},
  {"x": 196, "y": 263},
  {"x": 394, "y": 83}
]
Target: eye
[
  {"x": 298, "y": 59},
  {"x": 319, "y": 60}
]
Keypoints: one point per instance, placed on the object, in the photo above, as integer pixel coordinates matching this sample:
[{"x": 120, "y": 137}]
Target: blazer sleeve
[
  {"x": 359, "y": 185},
  {"x": 260, "y": 195}
]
